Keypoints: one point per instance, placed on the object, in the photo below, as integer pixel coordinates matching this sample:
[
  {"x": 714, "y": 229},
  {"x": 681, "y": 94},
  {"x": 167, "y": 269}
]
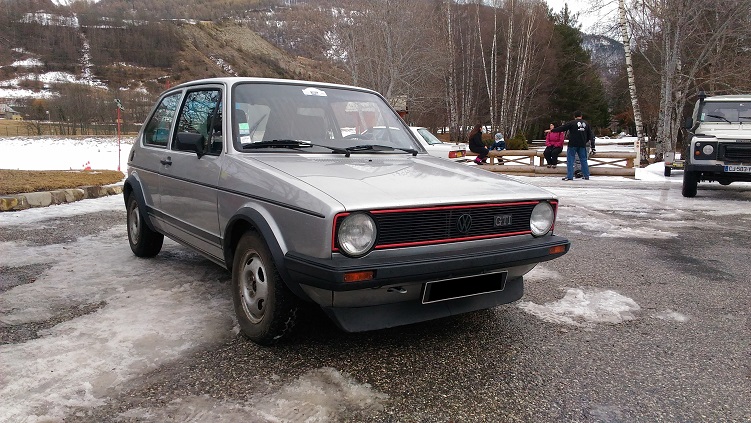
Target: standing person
[
  {"x": 579, "y": 133},
  {"x": 476, "y": 145},
  {"x": 553, "y": 146},
  {"x": 577, "y": 162}
]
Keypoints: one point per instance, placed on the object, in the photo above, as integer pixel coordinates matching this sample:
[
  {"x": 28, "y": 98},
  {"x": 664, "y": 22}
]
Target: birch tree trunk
[
  {"x": 640, "y": 146},
  {"x": 490, "y": 69},
  {"x": 504, "y": 121},
  {"x": 452, "y": 94}
]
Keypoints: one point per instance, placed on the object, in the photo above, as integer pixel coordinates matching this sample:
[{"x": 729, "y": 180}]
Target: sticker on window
[
  {"x": 244, "y": 128},
  {"x": 314, "y": 92}
]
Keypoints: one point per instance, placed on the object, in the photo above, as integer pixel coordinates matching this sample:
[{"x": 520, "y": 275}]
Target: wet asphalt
[{"x": 499, "y": 365}]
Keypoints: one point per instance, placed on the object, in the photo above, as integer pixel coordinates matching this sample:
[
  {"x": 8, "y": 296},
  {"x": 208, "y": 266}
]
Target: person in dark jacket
[
  {"x": 476, "y": 145},
  {"x": 579, "y": 133}
]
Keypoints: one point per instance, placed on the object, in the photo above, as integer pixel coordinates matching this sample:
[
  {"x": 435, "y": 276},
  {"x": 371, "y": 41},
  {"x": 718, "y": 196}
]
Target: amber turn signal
[
  {"x": 359, "y": 276},
  {"x": 559, "y": 249}
]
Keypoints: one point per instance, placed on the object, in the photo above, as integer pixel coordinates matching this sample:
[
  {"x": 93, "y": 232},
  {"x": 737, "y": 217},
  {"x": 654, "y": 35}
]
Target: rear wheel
[
  {"x": 667, "y": 170},
  {"x": 143, "y": 241},
  {"x": 266, "y": 309},
  {"x": 690, "y": 183}
]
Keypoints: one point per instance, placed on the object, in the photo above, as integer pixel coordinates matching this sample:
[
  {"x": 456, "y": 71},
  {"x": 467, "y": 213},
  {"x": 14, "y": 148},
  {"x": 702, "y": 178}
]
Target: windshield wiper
[
  {"x": 376, "y": 147},
  {"x": 744, "y": 117},
  {"x": 291, "y": 144},
  {"x": 720, "y": 117}
]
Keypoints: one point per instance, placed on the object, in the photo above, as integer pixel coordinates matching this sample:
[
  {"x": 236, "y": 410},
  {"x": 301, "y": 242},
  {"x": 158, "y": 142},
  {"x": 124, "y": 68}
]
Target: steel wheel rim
[
  {"x": 254, "y": 287},
  {"x": 134, "y": 226}
]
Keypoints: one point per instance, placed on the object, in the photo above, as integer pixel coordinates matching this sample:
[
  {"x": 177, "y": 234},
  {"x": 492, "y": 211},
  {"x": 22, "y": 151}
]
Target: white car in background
[{"x": 436, "y": 147}]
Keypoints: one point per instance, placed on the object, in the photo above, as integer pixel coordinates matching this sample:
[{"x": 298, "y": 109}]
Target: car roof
[
  {"x": 733, "y": 97},
  {"x": 236, "y": 80}
]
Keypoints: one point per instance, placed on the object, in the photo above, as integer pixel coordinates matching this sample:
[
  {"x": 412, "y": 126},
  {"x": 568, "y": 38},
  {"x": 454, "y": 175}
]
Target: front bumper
[
  {"x": 469, "y": 276},
  {"x": 461, "y": 261},
  {"x": 716, "y": 172}
]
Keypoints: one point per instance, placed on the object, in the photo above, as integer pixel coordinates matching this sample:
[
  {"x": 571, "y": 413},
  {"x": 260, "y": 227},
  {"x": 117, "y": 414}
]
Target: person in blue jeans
[{"x": 579, "y": 133}]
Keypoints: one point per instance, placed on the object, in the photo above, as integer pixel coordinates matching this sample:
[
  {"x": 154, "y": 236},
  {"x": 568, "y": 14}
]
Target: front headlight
[
  {"x": 357, "y": 234},
  {"x": 542, "y": 219},
  {"x": 708, "y": 149}
]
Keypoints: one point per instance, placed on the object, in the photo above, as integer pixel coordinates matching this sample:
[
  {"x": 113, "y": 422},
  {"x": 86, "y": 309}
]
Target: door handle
[{"x": 167, "y": 161}]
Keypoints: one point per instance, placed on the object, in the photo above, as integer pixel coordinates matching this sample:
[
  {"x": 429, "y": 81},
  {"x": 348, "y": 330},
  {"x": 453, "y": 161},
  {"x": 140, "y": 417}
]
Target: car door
[
  {"x": 189, "y": 184},
  {"x": 145, "y": 161}
]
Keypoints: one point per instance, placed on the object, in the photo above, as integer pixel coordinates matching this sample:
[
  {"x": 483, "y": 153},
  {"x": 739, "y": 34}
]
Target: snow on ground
[{"x": 135, "y": 322}]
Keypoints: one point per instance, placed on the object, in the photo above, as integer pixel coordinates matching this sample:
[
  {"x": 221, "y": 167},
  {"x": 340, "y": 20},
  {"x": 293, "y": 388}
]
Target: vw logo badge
[{"x": 464, "y": 223}]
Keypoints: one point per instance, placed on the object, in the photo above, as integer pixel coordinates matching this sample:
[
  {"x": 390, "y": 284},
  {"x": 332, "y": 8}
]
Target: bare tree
[
  {"x": 695, "y": 40},
  {"x": 640, "y": 145},
  {"x": 452, "y": 93}
]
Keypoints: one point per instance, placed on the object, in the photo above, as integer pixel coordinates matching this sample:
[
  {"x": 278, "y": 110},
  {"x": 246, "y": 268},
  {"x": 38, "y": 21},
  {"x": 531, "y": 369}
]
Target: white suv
[{"x": 719, "y": 147}]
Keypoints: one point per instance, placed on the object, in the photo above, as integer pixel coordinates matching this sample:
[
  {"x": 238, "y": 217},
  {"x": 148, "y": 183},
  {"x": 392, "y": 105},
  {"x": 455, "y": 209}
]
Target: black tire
[
  {"x": 266, "y": 309},
  {"x": 143, "y": 241},
  {"x": 690, "y": 183},
  {"x": 667, "y": 170}
]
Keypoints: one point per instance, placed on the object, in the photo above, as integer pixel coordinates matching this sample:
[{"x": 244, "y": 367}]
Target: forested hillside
[
  {"x": 92, "y": 59},
  {"x": 512, "y": 65}
]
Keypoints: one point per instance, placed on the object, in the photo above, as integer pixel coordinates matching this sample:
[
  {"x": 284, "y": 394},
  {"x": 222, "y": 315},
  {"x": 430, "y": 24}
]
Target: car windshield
[
  {"x": 273, "y": 116},
  {"x": 429, "y": 137},
  {"x": 726, "y": 111}
]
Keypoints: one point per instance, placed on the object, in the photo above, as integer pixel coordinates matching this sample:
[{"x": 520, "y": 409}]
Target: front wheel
[
  {"x": 143, "y": 241},
  {"x": 266, "y": 309},
  {"x": 667, "y": 171},
  {"x": 690, "y": 183}
]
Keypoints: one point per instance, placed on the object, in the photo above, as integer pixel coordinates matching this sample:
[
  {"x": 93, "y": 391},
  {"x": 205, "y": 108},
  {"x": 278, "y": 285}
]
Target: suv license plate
[{"x": 746, "y": 169}]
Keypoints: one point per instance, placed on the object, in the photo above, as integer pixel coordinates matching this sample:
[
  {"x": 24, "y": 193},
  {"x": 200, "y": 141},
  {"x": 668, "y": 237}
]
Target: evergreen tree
[{"x": 578, "y": 85}]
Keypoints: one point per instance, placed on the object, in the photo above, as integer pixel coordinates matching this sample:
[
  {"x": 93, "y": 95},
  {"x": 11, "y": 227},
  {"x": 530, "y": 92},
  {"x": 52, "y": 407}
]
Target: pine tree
[{"x": 578, "y": 85}]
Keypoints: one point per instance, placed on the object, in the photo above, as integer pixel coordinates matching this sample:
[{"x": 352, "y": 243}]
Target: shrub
[{"x": 517, "y": 143}]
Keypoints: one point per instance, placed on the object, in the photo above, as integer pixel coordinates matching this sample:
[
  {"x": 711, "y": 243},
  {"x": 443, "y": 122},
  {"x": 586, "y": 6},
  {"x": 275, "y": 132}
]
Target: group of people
[
  {"x": 580, "y": 138},
  {"x": 477, "y": 146}
]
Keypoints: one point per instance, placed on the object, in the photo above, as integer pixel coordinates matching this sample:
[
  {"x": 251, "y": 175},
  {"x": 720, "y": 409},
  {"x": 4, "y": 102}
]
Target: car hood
[
  {"x": 389, "y": 180},
  {"x": 727, "y": 131}
]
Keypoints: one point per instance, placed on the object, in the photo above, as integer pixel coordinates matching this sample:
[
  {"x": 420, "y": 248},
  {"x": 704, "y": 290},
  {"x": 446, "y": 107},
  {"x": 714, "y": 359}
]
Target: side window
[
  {"x": 158, "y": 127},
  {"x": 202, "y": 115}
]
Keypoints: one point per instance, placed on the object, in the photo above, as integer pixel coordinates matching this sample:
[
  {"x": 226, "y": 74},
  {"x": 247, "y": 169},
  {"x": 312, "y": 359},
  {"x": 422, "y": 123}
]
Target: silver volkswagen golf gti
[{"x": 286, "y": 184}]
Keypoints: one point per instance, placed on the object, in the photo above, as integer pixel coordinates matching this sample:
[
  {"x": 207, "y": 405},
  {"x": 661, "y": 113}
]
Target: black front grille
[
  {"x": 435, "y": 225},
  {"x": 738, "y": 152}
]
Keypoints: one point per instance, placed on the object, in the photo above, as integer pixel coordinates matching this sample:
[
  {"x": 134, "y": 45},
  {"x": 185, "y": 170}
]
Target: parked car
[
  {"x": 274, "y": 180},
  {"x": 719, "y": 142},
  {"x": 436, "y": 147}
]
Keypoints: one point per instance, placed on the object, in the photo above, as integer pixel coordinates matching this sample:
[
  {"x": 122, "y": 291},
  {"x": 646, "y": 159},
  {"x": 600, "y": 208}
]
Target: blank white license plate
[{"x": 746, "y": 169}]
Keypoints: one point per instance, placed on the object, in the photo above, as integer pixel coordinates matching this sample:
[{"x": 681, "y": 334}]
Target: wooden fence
[{"x": 532, "y": 162}]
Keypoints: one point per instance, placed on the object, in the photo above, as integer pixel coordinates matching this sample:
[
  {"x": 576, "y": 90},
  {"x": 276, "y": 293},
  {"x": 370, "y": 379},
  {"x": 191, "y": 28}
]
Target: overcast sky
[{"x": 591, "y": 20}]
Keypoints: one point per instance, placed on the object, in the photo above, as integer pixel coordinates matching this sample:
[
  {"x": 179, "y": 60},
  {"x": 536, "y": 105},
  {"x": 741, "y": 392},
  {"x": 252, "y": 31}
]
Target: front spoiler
[{"x": 382, "y": 316}]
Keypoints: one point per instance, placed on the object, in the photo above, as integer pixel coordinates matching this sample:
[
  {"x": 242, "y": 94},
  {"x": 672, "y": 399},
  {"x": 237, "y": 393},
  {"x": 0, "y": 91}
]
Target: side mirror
[
  {"x": 188, "y": 141},
  {"x": 688, "y": 123}
]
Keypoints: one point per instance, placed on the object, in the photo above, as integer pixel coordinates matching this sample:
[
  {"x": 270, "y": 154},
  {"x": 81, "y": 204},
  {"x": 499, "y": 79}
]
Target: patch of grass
[{"x": 20, "y": 181}]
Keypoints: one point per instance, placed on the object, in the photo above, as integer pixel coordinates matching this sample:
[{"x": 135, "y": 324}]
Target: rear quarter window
[{"x": 158, "y": 127}]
